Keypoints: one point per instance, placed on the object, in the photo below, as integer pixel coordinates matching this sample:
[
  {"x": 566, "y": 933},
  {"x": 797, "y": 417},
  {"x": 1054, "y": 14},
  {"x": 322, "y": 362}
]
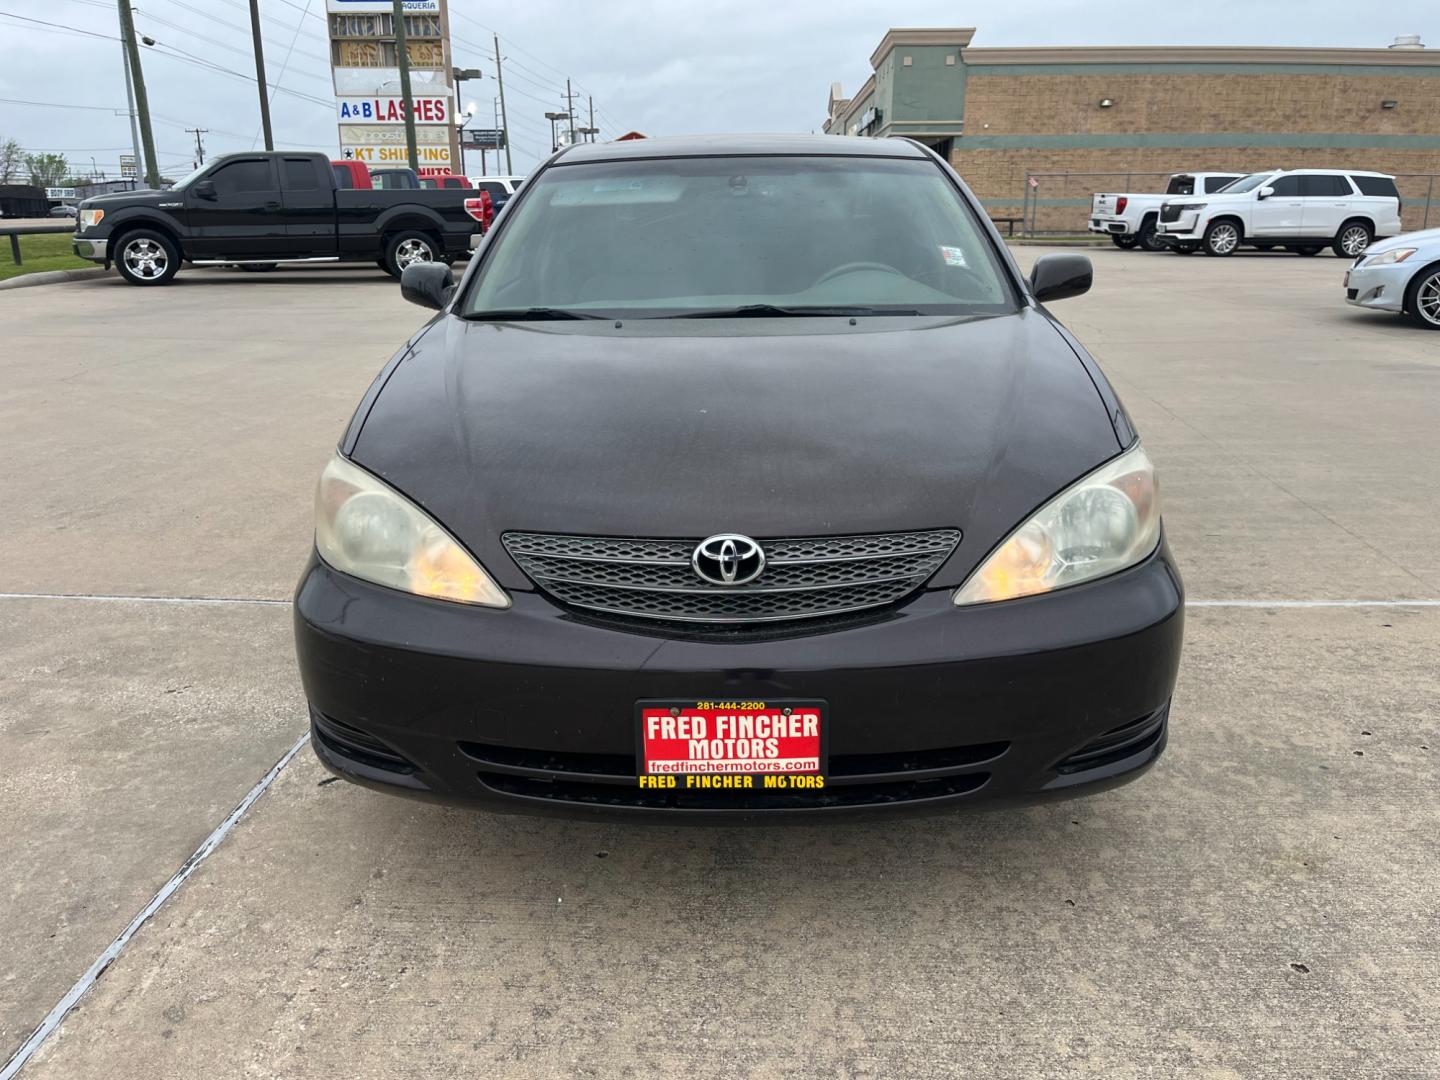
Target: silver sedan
[{"x": 1399, "y": 274}]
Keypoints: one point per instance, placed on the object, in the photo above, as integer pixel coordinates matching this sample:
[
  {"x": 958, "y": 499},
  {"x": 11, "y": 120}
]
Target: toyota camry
[{"x": 740, "y": 477}]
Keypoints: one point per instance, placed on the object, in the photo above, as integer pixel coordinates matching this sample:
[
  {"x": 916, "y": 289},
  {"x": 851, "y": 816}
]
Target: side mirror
[
  {"x": 428, "y": 284},
  {"x": 1057, "y": 276},
  {"x": 205, "y": 189},
  {"x": 1265, "y": 192}
]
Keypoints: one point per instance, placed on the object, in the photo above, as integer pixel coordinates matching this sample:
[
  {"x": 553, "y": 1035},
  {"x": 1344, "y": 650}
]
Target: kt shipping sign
[
  {"x": 391, "y": 110},
  {"x": 432, "y": 159}
]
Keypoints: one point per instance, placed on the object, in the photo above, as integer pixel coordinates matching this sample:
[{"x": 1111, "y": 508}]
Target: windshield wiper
[
  {"x": 763, "y": 311},
  {"x": 535, "y": 314}
]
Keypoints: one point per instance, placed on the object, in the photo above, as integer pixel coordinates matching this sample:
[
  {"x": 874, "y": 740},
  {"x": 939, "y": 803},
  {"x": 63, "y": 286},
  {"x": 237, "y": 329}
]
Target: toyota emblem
[{"x": 728, "y": 559}]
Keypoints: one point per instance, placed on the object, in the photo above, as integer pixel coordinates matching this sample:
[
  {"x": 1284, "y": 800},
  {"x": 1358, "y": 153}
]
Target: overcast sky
[{"x": 658, "y": 67}]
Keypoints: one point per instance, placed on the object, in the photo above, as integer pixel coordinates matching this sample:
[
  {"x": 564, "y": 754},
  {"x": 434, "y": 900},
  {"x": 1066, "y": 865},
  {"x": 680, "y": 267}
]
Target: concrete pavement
[{"x": 1262, "y": 904}]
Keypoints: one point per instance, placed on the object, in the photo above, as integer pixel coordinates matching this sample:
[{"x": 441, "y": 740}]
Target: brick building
[{"x": 1122, "y": 118}]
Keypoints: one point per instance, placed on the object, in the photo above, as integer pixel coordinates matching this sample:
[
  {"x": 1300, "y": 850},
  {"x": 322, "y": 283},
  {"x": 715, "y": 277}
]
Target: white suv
[{"x": 1304, "y": 210}]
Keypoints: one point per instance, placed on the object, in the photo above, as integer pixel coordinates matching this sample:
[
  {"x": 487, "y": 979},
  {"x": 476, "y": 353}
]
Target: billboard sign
[
  {"x": 366, "y": 7},
  {"x": 391, "y": 110},
  {"x": 484, "y": 138},
  {"x": 392, "y": 135},
  {"x": 60, "y": 193},
  {"x": 129, "y": 170},
  {"x": 433, "y": 158}
]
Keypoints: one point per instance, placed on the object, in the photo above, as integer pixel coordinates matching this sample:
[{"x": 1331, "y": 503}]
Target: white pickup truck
[{"x": 1131, "y": 219}]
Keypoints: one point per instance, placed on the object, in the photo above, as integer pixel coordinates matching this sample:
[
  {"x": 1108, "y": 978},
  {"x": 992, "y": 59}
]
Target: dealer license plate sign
[{"x": 739, "y": 745}]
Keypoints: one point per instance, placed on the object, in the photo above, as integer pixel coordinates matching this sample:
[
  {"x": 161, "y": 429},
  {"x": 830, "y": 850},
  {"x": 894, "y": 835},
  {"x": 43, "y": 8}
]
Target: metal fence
[{"x": 1056, "y": 203}]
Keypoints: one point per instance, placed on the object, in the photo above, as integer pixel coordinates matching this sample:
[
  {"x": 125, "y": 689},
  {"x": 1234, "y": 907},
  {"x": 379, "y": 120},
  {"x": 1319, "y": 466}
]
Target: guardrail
[{"x": 17, "y": 231}]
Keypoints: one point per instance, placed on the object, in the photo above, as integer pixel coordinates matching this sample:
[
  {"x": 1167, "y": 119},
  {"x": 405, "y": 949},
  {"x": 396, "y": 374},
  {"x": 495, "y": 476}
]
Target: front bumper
[
  {"x": 94, "y": 250},
  {"x": 1379, "y": 288},
  {"x": 532, "y": 708},
  {"x": 1187, "y": 227},
  {"x": 1110, "y": 226}
]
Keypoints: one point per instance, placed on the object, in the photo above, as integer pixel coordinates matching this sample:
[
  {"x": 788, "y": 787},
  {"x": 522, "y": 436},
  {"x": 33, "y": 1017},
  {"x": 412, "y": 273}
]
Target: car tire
[
  {"x": 146, "y": 257},
  {"x": 1307, "y": 249},
  {"x": 1352, "y": 239},
  {"x": 1149, "y": 237},
  {"x": 1124, "y": 241},
  {"x": 410, "y": 246},
  {"x": 1422, "y": 298},
  {"x": 1221, "y": 238}
]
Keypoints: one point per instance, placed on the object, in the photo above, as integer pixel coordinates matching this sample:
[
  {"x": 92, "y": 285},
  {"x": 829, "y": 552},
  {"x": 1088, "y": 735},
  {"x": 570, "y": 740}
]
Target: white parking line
[
  {"x": 106, "y": 958},
  {"x": 286, "y": 603}
]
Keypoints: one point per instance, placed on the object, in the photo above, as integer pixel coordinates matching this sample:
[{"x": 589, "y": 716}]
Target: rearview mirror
[
  {"x": 428, "y": 284},
  {"x": 205, "y": 189},
  {"x": 1265, "y": 192},
  {"x": 1055, "y": 277}
]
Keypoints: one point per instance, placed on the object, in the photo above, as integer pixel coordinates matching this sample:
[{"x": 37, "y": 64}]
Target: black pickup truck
[{"x": 259, "y": 209}]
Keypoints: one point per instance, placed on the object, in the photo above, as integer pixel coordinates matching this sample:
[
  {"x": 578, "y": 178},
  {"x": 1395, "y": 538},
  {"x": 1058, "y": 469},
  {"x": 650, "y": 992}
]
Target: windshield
[
  {"x": 708, "y": 236},
  {"x": 1247, "y": 183}
]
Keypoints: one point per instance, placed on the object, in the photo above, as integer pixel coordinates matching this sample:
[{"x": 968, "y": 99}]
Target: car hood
[
  {"x": 771, "y": 428},
  {"x": 1424, "y": 240},
  {"x": 139, "y": 197}
]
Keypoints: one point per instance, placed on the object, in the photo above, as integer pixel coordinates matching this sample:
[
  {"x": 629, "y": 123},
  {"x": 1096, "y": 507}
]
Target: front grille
[
  {"x": 852, "y": 780},
  {"x": 804, "y": 578},
  {"x": 1169, "y": 213},
  {"x": 1350, "y": 294}
]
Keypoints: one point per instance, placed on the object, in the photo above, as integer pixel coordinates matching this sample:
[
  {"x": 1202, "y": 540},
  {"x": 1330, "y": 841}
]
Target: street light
[
  {"x": 592, "y": 132},
  {"x": 458, "y": 76},
  {"x": 469, "y": 115},
  {"x": 552, "y": 117}
]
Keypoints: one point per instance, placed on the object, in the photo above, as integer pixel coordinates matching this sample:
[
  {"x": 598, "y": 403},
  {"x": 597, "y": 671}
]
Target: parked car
[
  {"x": 434, "y": 183},
  {"x": 1130, "y": 219},
  {"x": 1304, "y": 210},
  {"x": 64, "y": 211},
  {"x": 1399, "y": 274},
  {"x": 834, "y": 518},
  {"x": 264, "y": 208},
  {"x": 499, "y": 187}
]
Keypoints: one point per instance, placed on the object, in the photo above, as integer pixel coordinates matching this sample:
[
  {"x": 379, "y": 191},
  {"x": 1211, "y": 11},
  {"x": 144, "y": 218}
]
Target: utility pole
[
  {"x": 504, "y": 117},
  {"x": 592, "y": 117},
  {"x": 260, "y": 75},
  {"x": 199, "y": 146},
  {"x": 142, "y": 103},
  {"x": 130, "y": 100},
  {"x": 402, "y": 56},
  {"x": 570, "y": 108}
]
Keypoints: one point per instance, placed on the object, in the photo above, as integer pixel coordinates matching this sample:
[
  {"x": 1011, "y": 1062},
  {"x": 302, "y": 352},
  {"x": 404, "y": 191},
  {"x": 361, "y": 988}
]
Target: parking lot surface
[{"x": 1263, "y": 903}]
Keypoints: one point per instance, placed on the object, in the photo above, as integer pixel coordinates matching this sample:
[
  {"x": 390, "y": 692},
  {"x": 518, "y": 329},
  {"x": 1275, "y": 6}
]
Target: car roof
[
  {"x": 727, "y": 145},
  {"x": 1336, "y": 172}
]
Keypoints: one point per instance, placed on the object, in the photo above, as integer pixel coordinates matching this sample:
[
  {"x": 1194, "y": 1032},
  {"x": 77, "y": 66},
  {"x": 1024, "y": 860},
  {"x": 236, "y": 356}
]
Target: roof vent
[{"x": 1407, "y": 41}]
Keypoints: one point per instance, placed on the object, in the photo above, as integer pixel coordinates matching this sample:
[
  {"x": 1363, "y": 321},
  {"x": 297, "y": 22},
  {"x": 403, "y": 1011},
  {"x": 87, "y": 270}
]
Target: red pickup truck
[{"x": 356, "y": 174}]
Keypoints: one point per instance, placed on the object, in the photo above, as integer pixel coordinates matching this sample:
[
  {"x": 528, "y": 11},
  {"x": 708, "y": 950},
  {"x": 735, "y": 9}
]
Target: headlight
[
  {"x": 366, "y": 528},
  {"x": 1396, "y": 255},
  {"x": 90, "y": 218},
  {"x": 1100, "y": 524}
]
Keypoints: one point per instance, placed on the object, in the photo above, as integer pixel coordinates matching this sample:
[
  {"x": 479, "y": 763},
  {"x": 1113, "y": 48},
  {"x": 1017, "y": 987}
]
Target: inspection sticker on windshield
[
  {"x": 953, "y": 256},
  {"x": 731, "y": 745}
]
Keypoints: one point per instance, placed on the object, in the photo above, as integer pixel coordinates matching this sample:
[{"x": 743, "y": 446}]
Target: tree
[
  {"x": 12, "y": 158},
  {"x": 47, "y": 170}
]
